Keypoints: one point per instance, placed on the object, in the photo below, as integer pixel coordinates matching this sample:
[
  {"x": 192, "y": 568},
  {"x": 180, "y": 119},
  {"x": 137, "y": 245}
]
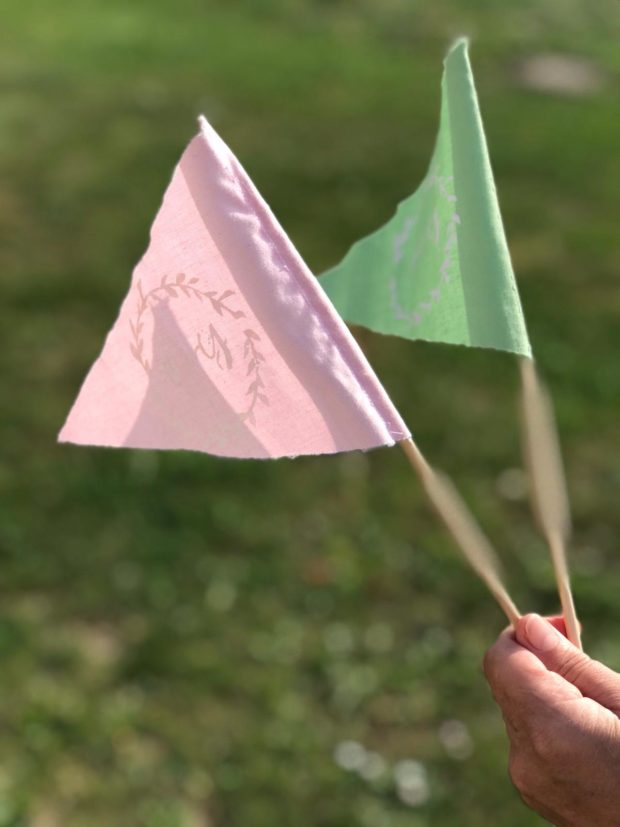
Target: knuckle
[
  {"x": 519, "y": 770},
  {"x": 574, "y": 666},
  {"x": 543, "y": 745}
]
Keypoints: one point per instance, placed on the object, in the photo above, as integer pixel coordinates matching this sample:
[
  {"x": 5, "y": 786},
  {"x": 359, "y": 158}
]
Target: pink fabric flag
[{"x": 226, "y": 342}]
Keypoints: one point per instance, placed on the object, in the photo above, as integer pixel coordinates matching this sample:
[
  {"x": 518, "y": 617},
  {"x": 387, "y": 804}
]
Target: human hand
[{"x": 561, "y": 711}]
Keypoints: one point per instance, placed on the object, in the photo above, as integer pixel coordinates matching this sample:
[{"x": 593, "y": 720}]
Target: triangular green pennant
[{"x": 440, "y": 269}]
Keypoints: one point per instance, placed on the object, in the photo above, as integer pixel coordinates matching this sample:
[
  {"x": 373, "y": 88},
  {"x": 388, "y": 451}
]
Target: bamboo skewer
[
  {"x": 548, "y": 485},
  {"x": 462, "y": 526}
]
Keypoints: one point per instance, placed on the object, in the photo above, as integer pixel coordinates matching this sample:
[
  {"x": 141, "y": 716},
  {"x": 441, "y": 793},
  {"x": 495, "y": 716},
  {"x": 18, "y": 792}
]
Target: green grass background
[{"x": 185, "y": 640}]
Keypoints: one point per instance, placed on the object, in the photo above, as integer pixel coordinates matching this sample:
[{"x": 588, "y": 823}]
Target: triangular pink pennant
[{"x": 225, "y": 342}]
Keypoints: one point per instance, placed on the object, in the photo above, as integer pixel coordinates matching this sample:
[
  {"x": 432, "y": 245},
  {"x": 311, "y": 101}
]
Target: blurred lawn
[{"x": 184, "y": 641}]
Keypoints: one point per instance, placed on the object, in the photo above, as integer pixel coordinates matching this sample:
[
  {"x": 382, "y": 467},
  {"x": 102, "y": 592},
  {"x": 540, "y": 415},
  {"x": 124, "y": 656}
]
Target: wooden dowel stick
[
  {"x": 548, "y": 485},
  {"x": 558, "y": 556},
  {"x": 463, "y": 528}
]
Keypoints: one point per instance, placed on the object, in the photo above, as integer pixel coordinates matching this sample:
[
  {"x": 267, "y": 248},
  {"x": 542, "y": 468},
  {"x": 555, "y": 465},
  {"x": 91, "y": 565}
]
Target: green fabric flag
[{"x": 440, "y": 269}]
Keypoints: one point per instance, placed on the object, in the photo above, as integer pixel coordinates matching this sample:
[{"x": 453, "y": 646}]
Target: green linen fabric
[{"x": 440, "y": 269}]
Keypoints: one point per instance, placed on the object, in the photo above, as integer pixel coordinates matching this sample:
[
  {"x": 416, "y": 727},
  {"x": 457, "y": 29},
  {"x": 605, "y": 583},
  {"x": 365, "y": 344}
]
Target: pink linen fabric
[{"x": 226, "y": 342}]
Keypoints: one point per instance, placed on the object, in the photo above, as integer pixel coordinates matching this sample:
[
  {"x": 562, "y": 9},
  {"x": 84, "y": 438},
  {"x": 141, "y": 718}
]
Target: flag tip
[
  {"x": 461, "y": 41},
  {"x": 204, "y": 124},
  {"x": 209, "y": 134}
]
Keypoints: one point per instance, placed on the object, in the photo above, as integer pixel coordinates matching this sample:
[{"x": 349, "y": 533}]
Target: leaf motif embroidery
[
  {"x": 250, "y": 349},
  {"x": 214, "y": 346},
  {"x": 425, "y": 305}
]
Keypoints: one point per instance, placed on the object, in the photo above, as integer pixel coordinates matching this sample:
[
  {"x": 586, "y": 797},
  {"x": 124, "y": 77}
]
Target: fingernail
[{"x": 541, "y": 634}]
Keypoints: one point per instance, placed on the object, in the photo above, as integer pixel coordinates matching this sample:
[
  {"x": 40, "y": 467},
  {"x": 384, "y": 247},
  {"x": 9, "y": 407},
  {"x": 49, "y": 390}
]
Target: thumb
[{"x": 592, "y": 679}]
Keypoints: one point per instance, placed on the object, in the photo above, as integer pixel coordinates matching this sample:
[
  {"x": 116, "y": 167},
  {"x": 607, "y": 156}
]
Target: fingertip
[{"x": 557, "y": 621}]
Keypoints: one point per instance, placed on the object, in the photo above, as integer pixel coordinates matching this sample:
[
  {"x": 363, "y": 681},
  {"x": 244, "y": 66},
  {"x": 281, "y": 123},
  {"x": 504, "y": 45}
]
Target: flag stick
[
  {"x": 548, "y": 484},
  {"x": 462, "y": 526}
]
